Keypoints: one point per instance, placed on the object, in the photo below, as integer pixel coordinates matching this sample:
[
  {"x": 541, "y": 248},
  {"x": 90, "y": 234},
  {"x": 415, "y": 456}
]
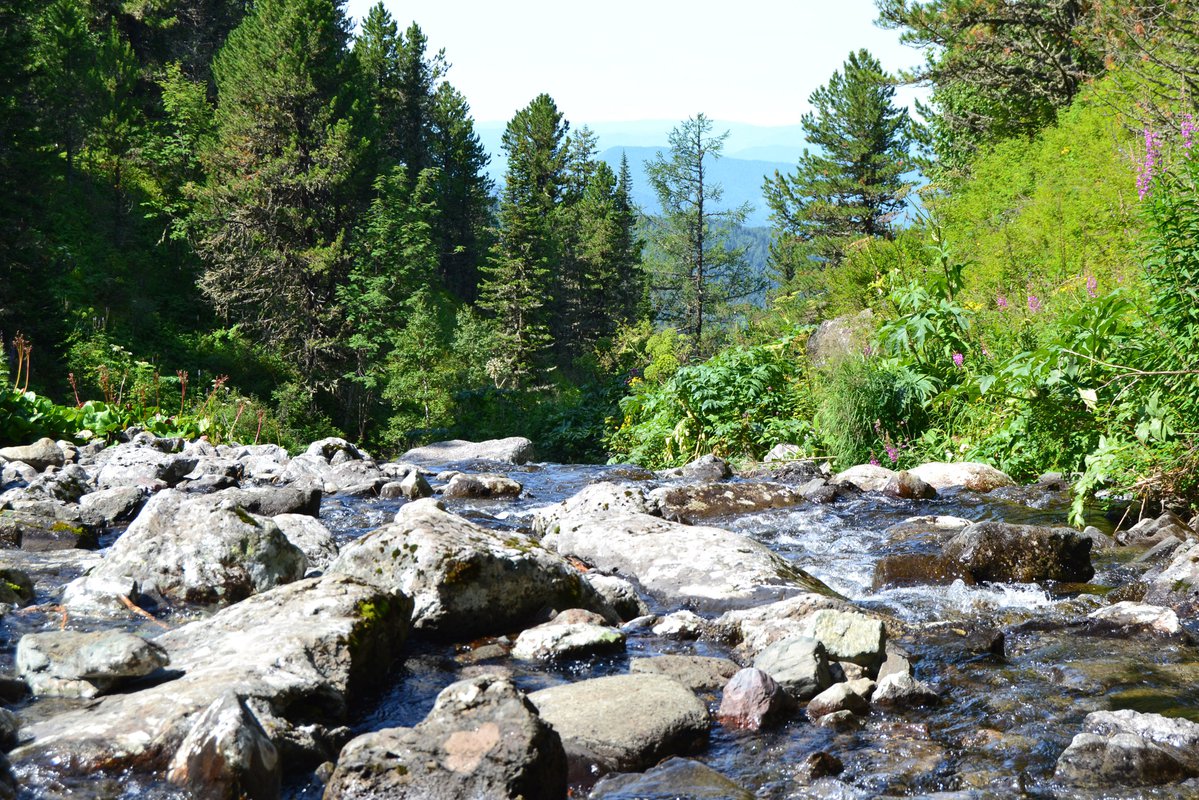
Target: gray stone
[
  {"x": 16, "y": 587},
  {"x": 691, "y": 503},
  {"x": 782, "y": 452},
  {"x": 901, "y": 690},
  {"x": 998, "y": 552},
  {"x": 673, "y": 778},
  {"x": 295, "y": 655},
  {"x": 10, "y": 727},
  {"x": 118, "y": 504},
  {"x": 39, "y": 532},
  {"x": 483, "y": 739},
  {"x": 65, "y": 485},
  {"x": 39, "y": 455},
  {"x": 618, "y": 593},
  {"x": 1148, "y": 532},
  {"x": 968, "y": 474},
  {"x": 335, "y": 449},
  {"x": 597, "y": 500},
  {"x": 697, "y": 673},
  {"x": 683, "y": 624},
  {"x": 481, "y": 487},
  {"x": 75, "y": 664},
  {"x": 513, "y": 450},
  {"x": 271, "y": 501},
  {"x": 131, "y": 464},
  {"x": 907, "y": 486},
  {"x": 752, "y": 699},
  {"x": 757, "y": 628},
  {"x": 311, "y": 536},
  {"x": 799, "y": 665},
  {"x": 568, "y": 635},
  {"x": 1177, "y": 585},
  {"x": 853, "y": 696},
  {"x": 848, "y": 636},
  {"x": 1129, "y": 618},
  {"x": 918, "y": 569},
  {"x": 707, "y": 469},
  {"x": 227, "y": 755},
  {"x": 867, "y": 477},
  {"x": 1127, "y": 748},
  {"x": 623, "y": 722},
  {"x": 465, "y": 580},
  {"x": 201, "y": 549}
]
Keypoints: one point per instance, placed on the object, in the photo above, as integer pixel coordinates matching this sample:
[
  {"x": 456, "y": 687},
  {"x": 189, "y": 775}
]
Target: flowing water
[{"x": 1003, "y": 720}]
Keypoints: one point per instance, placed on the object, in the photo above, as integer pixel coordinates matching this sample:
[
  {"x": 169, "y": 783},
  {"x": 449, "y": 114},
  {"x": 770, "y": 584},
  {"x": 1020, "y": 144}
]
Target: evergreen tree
[
  {"x": 516, "y": 287},
  {"x": 67, "y": 80},
  {"x": 377, "y": 49},
  {"x": 851, "y": 186},
  {"x": 464, "y": 193},
  {"x": 418, "y": 74},
  {"x": 695, "y": 273},
  {"x": 271, "y": 222},
  {"x": 628, "y": 302}
]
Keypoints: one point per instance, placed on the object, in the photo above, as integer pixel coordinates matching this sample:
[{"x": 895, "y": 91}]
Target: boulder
[
  {"x": 906, "y": 486},
  {"x": 145, "y": 465},
  {"x": 618, "y": 593},
  {"x": 485, "y": 486},
  {"x": 852, "y": 696},
  {"x": 1127, "y": 748},
  {"x": 335, "y": 450},
  {"x": 16, "y": 587},
  {"x": 355, "y": 477},
  {"x": 201, "y": 549},
  {"x": 65, "y": 485},
  {"x": 482, "y": 739},
  {"x": 311, "y": 536},
  {"x": 673, "y": 778},
  {"x": 115, "y": 505},
  {"x": 707, "y": 469},
  {"x": 10, "y": 728},
  {"x": 567, "y": 636},
  {"x": 227, "y": 755},
  {"x": 295, "y": 655},
  {"x": 697, "y": 673},
  {"x": 75, "y": 664},
  {"x": 682, "y": 624},
  {"x": 271, "y": 501},
  {"x": 798, "y": 664},
  {"x": 1128, "y": 618},
  {"x": 968, "y": 474},
  {"x": 1177, "y": 585},
  {"x": 623, "y": 722},
  {"x": 513, "y": 450},
  {"x": 901, "y": 690},
  {"x": 691, "y": 503},
  {"x": 847, "y": 636},
  {"x": 39, "y": 532},
  {"x": 918, "y": 569},
  {"x": 998, "y": 552},
  {"x": 39, "y": 455},
  {"x": 752, "y": 699},
  {"x": 705, "y": 568},
  {"x": 839, "y": 337},
  {"x": 867, "y": 477},
  {"x": 597, "y": 500},
  {"x": 755, "y": 629},
  {"x": 465, "y": 580},
  {"x": 1148, "y": 532}
]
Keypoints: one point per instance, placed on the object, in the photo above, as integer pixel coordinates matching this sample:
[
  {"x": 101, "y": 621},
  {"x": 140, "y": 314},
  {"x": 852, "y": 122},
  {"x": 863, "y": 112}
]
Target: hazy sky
[{"x": 753, "y": 61}]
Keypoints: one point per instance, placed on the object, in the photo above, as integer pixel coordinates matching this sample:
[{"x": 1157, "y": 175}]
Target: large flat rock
[{"x": 513, "y": 450}]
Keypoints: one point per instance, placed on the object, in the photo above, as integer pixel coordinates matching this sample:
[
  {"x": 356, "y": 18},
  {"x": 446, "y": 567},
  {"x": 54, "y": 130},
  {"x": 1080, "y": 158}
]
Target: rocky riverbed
[{"x": 184, "y": 620}]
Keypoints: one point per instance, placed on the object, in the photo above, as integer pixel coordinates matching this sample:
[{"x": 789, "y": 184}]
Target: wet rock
[
  {"x": 597, "y": 500},
  {"x": 1099, "y": 539},
  {"x": 819, "y": 765},
  {"x": 8, "y": 781},
  {"x": 10, "y": 726},
  {"x": 414, "y": 486},
  {"x": 792, "y": 473},
  {"x": 227, "y": 755},
  {"x": 705, "y": 568},
  {"x": 932, "y": 530},
  {"x": 674, "y": 778},
  {"x": 707, "y": 469},
  {"x": 295, "y": 655},
  {"x": 998, "y": 552},
  {"x": 513, "y": 450},
  {"x": 697, "y": 673},
  {"x": 799, "y": 665},
  {"x": 972, "y": 475},
  {"x": 690, "y": 503},
  {"x": 901, "y": 690},
  {"x": 681, "y": 625},
  {"x": 852, "y": 696},
  {"x": 847, "y": 636},
  {"x": 867, "y": 477},
  {"x": 618, "y": 593},
  {"x": 752, "y": 699},
  {"x": 119, "y": 504},
  {"x": 41, "y": 532},
  {"x": 465, "y": 580},
  {"x": 132, "y": 464},
  {"x": 356, "y": 478},
  {"x": 568, "y": 635},
  {"x": 897, "y": 662},
  {"x": 481, "y": 487},
  {"x": 335, "y": 450},
  {"x": 39, "y": 455},
  {"x": 201, "y": 549},
  {"x": 1177, "y": 585},
  {"x": 1128, "y": 748},
  {"x": 1149, "y": 532},
  {"x": 906, "y": 486},
  {"x": 311, "y": 536},
  {"x": 482, "y": 739},
  {"x": 75, "y": 664},
  {"x": 12, "y": 691},
  {"x": 1127, "y": 618},
  {"x": 841, "y": 336},
  {"x": 755, "y": 629},
  {"x": 65, "y": 485},
  {"x": 271, "y": 501},
  {"x": 918, "y": 569},
  {"x": 16, "y": 587},
  {"x": 623, "y": 722}
]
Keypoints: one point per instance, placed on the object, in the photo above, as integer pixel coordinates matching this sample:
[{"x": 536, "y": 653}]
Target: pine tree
[
  {"x": 517, "y": 277},
  {"x": 629, "y": 292},
  {"x": 418, "y": 74},
  {"x": 272, "y": 220},
  {"x": 377, "y": 49},
  {"x": 695, "y": 273},
  {"x": 67, "y": 80},
  {"x": 852, "y": 186}
]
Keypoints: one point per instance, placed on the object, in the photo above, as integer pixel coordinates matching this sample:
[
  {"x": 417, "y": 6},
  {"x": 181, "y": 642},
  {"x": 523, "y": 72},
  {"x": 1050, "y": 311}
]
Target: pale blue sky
[{"x": 753, "y": 61}]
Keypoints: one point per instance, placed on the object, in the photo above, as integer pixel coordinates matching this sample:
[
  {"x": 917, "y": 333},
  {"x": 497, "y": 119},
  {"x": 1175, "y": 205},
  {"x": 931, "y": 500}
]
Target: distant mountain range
[{"x": 750, "y": 154}]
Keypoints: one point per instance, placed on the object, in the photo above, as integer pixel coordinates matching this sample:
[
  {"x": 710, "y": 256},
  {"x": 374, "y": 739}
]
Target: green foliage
[{"x": 869, "y": 410}]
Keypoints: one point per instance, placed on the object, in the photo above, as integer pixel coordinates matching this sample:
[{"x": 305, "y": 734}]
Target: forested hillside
[{"x": 247, "y": 221}]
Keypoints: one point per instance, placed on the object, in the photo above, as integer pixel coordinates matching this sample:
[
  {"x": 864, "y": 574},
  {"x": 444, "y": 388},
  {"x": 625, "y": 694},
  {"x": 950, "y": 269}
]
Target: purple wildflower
[
  {"x": 1034, "y": 303},
  {"x": 986, "y": 352},
  {"x": 1147, "y": 168},
  {"x": 1001, "y": 301},
  {"x": 1188, "y": 131},
  {"x": 892, "y": 452},
  {"x": 867, "y": 351},
  {"x": 873, "y": 460},
  {"x": 1092, "y": 287},
  {"x": 958, "y": 359}
]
